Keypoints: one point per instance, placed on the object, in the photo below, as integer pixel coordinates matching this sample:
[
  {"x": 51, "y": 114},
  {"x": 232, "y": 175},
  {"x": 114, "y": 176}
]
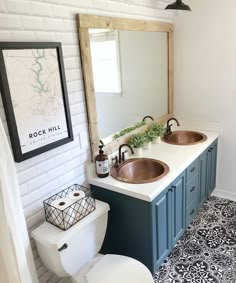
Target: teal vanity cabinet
[{"x": 146, "y": 231}]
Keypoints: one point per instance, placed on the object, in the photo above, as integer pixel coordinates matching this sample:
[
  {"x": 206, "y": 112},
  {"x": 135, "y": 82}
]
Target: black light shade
[{"x": 178, "y": 5}]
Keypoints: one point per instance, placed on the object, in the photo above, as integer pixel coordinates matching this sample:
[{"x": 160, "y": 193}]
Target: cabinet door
[
  {"x": 203, "y": 177},
  {"x": 178, "y": 208},
  {"x": 162, "y": 230}
]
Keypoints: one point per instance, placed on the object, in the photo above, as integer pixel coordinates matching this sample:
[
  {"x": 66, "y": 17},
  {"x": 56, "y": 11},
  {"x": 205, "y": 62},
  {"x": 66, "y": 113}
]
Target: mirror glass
[{"x": 130, "y": 71}]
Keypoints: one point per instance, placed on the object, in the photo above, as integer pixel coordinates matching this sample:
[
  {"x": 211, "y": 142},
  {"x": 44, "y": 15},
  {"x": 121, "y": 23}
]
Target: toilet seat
[{"x": 117, "y": 269}]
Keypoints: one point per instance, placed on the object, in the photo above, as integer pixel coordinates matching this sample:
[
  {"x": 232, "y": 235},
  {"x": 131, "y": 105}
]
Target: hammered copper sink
[
  {"x": 140, "y": 170},
  {"x": 184, "y": 138}
]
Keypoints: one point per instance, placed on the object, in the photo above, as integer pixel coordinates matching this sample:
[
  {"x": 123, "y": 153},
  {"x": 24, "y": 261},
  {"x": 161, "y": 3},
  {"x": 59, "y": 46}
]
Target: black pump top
[
  {"x": 100, "y": 149},
  {"x": 101, "y": 145}
]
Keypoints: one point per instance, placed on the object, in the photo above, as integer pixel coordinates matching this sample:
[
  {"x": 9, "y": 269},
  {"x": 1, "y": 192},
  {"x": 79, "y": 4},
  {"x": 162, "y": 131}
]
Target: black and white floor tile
[{"x": 206, "y": 253}]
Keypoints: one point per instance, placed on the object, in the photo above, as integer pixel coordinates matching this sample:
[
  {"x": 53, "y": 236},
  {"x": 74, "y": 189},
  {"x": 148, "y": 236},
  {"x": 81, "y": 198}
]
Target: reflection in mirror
[
  {"x": 104, "y": 46},
  {"x": 130, "y": 70}
]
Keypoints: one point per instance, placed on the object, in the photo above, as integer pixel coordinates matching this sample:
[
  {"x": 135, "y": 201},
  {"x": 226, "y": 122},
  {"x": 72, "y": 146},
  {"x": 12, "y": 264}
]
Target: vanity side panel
[
  {"x": 211, "y": 167},
  {"x": 129, "y": 230}
]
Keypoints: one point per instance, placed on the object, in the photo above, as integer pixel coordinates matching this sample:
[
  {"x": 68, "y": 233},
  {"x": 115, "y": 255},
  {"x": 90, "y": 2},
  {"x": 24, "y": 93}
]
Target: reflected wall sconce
[{"x": 178, "y": 5}]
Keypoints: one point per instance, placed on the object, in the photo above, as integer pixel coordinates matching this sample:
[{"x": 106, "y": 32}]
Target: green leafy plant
[
  {"x": 137, "y": 140},
  {"x": 149, "y": 135},
  {"x": 128, "y": 130},
  {"x": 158, "y": 129},
  {"x": 139, "y": 124}
]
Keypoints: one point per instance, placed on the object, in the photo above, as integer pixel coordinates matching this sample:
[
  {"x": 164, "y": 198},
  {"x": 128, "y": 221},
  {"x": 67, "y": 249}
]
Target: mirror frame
[{"x": 85, "y": 22}]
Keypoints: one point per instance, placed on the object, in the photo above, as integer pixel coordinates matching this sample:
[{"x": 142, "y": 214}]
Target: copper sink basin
[
  {"x": 185, "y": 138},
  {"x": 140, "y": 170}
]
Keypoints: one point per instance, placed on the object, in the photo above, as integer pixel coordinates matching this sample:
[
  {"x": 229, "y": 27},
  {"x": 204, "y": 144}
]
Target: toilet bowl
[
  {"x": 114, "y": 269},
  {"x": 74, "y": 252}
]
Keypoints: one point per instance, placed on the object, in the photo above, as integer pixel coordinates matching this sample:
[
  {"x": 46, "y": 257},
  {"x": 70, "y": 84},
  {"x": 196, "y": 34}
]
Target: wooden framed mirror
[{"x": 137, "y": 57}]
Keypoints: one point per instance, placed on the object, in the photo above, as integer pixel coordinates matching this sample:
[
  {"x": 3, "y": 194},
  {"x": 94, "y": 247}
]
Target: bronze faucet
[
  {"x": 168, "y": 126},
  {"x": 121, "y": 154},
  {"x": 148, "y": 117}
]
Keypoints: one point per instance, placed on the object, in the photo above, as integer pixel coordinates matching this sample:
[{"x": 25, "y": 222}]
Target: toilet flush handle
[{"x": 63, "y": 247}]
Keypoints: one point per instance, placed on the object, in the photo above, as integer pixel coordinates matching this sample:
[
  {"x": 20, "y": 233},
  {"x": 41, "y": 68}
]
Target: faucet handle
[
  {"x": 123, "y": 155},
  {"x": 168, "y": 129},
  {"x": 115, "y": 160}
]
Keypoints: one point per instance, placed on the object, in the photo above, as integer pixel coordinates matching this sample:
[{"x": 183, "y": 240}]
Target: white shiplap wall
[{"x": 54, "y": 20}]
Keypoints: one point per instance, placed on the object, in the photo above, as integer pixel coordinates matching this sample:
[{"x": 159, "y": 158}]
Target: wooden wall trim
[
  {"x": 170, "y": 73},
  {"x": 93, "y": 21}
]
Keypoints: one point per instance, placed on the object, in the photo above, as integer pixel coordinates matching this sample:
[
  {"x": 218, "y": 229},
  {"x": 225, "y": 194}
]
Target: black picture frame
[{"x": 57, "y": 90}]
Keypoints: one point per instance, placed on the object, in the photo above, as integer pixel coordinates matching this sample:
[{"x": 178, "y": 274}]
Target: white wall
[
  {"x": 54, "y": 20},
  {"x": 205, "y": 76}
]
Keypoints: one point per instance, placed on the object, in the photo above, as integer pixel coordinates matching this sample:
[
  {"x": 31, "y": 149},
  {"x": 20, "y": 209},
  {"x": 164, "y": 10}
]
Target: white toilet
[{"x": 74, "y": 252}]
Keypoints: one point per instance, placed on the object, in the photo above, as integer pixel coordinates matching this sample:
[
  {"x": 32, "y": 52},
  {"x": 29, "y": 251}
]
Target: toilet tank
[{"x": 83, "y": 241}]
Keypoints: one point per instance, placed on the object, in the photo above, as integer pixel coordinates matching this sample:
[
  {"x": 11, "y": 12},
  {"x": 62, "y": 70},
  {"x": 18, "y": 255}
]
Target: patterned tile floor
[{"x": 206, "y": 253}]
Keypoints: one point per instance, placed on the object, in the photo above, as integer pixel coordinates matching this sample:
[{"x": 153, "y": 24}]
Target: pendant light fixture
[{"x": 178, "y": 5}]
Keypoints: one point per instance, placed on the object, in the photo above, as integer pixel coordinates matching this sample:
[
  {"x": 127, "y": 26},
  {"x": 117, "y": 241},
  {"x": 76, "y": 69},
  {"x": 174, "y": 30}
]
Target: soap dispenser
[{"x": 101, "y": 163}]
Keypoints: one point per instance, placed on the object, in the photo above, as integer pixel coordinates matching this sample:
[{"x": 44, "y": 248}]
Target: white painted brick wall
[
  {"x": 10, "y": 22},
  {"x": 33, "y": 23},
  {"x": 27, "y": 35},
  {"x": 54, "y": 20},
  {"x": 54, "y": 24},
  {"x": 18, "y": 7},
  {"x": 41, "y": 9},
  {"x": 2, "y": 6}
]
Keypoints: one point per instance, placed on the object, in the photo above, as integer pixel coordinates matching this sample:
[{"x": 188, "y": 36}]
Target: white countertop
[{"x": 177, "y": 157}]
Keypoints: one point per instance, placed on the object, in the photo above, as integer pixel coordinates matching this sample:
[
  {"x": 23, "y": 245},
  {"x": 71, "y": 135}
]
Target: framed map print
[{"x": 34, "y": 94}]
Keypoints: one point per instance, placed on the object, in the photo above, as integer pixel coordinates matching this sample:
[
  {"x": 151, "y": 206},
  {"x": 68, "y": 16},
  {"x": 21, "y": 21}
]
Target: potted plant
[
  {"x": 149, "y": 136},
  {"x": 137, "y": 141},
  {"x": 159, "y": 131}
]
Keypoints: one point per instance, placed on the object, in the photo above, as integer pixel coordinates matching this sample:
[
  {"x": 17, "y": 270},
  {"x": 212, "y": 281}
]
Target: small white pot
[
  {"x": 157, "y": 140},
  {"x": 147, "y": 145},
  {"x": 138, "y": 151}
]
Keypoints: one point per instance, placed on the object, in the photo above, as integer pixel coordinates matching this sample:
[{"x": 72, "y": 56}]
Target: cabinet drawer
[
  {"x": 192, "y": 170},
  {"x": 192, "y": 210},
  {"x": 192, "y": 189}
]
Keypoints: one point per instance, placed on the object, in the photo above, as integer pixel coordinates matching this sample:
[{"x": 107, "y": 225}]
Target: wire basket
[{"x": 77, "y": 210}]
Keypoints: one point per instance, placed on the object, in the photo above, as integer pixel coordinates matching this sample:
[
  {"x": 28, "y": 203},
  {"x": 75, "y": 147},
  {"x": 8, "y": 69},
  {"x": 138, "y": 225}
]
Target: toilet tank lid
[{"x": 47, "y": 234}]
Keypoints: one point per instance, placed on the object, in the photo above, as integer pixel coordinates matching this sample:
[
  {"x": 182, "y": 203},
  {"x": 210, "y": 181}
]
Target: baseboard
[{"x": 224, "y": 194}]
